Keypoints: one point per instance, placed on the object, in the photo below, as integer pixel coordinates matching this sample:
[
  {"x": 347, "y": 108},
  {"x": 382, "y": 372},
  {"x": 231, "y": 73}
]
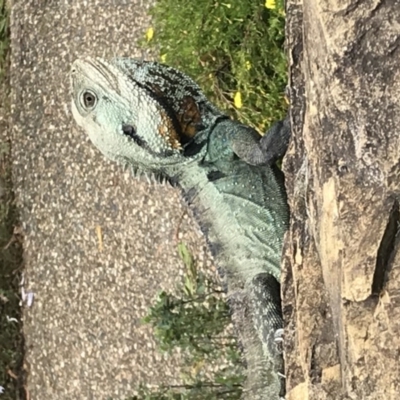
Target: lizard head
[{"x": 144, "y": 114}]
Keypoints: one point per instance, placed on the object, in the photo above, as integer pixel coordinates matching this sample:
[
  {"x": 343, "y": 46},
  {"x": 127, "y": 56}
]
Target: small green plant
[
  {"x": 219, "y": 389},
  {"x": 195, "y": 320},
  {"x": 233, "y": 49}
]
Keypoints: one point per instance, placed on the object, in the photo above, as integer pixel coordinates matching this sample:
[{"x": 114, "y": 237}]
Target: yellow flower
[
  {"x": 237, "y": 100},
  {"x": 271, "y": 4},
  {"x": 248, "y": 65},
  {"x": 163, "y": 58},
  {"x": 149, "y": 34}
]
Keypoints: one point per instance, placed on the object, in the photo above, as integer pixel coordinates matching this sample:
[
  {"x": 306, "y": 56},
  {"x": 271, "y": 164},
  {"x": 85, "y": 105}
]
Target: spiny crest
[
  {"x": 148, "y": 176},
  {"x": 151, "y": 177}
]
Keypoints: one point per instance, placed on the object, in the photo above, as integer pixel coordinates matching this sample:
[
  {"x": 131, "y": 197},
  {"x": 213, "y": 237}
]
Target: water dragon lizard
[{"x": 156, "y": 119}]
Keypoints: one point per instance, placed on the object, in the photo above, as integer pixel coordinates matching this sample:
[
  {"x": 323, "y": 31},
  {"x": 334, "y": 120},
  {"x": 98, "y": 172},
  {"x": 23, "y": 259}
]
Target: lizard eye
[{"x": 89, "y": 99}]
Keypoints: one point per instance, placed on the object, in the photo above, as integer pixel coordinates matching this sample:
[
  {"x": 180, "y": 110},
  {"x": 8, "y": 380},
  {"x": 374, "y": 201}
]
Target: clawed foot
[
  {"x": 278, "y": 336},
  {"x": 278, "y": 339}
]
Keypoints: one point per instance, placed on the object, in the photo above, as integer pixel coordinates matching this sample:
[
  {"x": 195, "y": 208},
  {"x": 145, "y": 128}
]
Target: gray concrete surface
[{"x": 83, "y": 334}]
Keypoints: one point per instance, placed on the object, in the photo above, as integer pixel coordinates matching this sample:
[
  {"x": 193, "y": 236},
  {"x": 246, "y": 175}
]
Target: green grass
[
  {"x": 228, "y": 47},
  {"x": 11, "y": 338},
  {"x": 194, "y": 319}
]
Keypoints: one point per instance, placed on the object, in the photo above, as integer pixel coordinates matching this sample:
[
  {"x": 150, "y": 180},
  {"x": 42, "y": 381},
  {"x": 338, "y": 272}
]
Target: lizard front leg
[
  {"x": 276, "y": 141},
  {"x": 249, "y": 146}
]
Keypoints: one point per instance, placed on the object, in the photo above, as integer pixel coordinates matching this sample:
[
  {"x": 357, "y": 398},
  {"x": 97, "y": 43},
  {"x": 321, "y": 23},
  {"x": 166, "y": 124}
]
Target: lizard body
[{"x": 157, "y": 120}]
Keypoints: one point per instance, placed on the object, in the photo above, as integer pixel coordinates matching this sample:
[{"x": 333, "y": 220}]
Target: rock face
[{"x": 341, "y": 265}]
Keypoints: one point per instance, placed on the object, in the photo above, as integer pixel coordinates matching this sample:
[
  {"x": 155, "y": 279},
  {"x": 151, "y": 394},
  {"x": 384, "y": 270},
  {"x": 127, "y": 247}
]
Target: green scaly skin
[{"x": 156, "y": 120}]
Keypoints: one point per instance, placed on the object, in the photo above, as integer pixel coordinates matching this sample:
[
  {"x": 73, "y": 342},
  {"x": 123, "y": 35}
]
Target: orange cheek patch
[
  {"x": 188, "y": 118},
  {"x": 168, "y": 132}
]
